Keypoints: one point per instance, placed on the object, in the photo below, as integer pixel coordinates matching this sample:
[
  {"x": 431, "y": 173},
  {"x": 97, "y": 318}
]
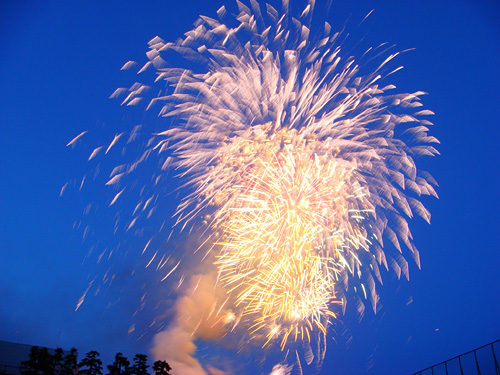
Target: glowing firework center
[
  {"x": 286, "y": 228},
  {"x": 299, "y": 164}
]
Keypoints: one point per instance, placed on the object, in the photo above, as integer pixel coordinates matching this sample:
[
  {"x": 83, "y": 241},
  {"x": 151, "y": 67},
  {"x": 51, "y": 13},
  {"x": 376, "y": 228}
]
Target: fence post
[
  {"x": 477, "y": 363},
  {"x": 497, "y": 369}
]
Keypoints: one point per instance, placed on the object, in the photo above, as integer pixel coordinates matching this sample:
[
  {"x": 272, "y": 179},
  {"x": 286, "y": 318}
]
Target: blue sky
[{"x": 59, "y": 63}]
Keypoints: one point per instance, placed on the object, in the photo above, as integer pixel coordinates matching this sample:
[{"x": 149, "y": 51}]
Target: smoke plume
[{"x": 196, "y": 317}]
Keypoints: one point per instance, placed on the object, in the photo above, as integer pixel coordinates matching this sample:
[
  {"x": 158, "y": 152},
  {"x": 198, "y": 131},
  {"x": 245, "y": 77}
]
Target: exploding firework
[{"x": 299, "y": 164}]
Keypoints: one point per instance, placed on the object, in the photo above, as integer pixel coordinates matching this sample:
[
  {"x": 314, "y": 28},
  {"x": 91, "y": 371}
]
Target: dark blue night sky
[{"x": 59, "y": 63}]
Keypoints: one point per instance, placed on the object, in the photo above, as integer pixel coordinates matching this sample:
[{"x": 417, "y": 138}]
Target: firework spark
[{"x": 299, "y": 163}]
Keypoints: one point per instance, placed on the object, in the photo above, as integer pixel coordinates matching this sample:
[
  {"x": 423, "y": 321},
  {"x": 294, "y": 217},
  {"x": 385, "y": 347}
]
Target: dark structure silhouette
[
  {"x": 17, "y": 359},
  {"x": 479, "y": 361},
  {"x": 42, "y": 362}
]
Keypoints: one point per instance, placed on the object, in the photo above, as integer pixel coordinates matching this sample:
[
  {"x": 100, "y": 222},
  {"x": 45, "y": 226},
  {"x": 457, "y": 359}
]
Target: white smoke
[{"x": 196, "y": 313}]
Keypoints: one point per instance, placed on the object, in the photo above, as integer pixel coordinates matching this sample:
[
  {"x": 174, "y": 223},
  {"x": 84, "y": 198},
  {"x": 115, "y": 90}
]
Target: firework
[{"x": 299, "y": 163}]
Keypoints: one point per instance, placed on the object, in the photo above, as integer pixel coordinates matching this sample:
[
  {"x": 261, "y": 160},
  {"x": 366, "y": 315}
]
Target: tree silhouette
[
  {"x": 161, "y": 368},
  {"x": 40, "y": 362},
  {"x": 58, "y": 361},
  {"x": 92, "y": 362},
  {"x": 70, "y": 361},
  {"x": 121, "y": 365},
  {"x": 140, "y": 366}
]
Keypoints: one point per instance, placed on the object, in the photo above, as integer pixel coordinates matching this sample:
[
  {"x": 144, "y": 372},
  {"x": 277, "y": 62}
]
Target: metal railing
[{"x": 480, "y": 361}]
